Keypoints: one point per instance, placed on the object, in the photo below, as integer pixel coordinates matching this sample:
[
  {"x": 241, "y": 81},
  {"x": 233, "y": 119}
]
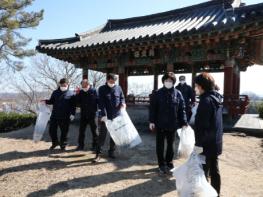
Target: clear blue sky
[{"x": 64, "y": 18}]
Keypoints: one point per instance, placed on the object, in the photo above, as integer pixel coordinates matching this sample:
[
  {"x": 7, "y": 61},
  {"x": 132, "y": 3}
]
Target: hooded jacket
[{"x": 209, "y": 124}]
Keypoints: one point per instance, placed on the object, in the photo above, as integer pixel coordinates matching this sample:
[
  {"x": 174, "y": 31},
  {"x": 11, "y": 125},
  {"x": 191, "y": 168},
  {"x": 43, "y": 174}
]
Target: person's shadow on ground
[
  {"x": 154, "y": 186},
  {"x": 142, "y": 155}
]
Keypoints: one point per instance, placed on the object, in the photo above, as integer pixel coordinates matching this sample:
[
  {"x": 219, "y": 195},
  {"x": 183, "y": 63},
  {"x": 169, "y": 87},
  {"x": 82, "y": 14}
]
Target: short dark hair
[
  {"x": 182, "y": 77},
  {"x": 111, "y": 76},
  {"x": 206, "y": 81},
  {"x": 169, "y": 75},
  {"x": 63, "y": 80}
]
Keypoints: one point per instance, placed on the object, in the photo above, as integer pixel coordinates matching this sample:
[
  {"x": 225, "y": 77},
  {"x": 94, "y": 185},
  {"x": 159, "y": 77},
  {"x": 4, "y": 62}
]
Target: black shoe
[
  {"x": 162, "y": 170},
  {"x": 96, "y": 159},
  {"x": 111, "y": 155},
  {"x": 53, "y": 146},
  {"x": 79, "y": 148},
  {"x": 62, "y": 148},
  {"x": 170, "y": 166}
]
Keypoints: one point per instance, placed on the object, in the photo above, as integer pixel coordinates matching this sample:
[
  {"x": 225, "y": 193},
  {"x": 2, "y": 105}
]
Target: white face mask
[
  {"x": 168, "y": 84},
  {"x": 182, "y": 82},
  {"x": 111, "y": 85},
  {"x": 63, "y": 89}
]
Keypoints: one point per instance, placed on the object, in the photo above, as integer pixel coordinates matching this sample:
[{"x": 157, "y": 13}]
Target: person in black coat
[
  {"x": 188, "y": 94},
  {"x": 209, "y": 126},
  {"x": 63, "y": 101},
  {"x": 167, "y": 114},
  {"x": 87, "y": 100},
  {"x": 111, "y": 100}
]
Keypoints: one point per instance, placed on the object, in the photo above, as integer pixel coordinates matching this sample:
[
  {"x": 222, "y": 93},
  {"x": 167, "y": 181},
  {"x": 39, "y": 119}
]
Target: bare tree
[
  {"x": 41, "y": 78},
  {"x": 48, "y": 71},
  {"x": 97, "y": 78}
]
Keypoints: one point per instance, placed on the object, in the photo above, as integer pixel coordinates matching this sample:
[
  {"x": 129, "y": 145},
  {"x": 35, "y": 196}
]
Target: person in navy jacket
[
  {"x": 167, "y": 114},
  {"x": 63, "y": 101},
  {"x": 209, "y": 126},
  {"x": 188, "y": 94},
  {"x": 111, "y": 100},
  {"x": 87, "y": 100}
]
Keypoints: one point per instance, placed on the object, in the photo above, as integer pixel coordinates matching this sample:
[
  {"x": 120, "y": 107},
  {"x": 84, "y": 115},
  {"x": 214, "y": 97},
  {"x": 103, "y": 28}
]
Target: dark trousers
[
  {"x": 102, "y": 137},
  {"x": 82, "y": 130},
  {"x": 161, "y": 136},
  {"x": 211, "y": 169},
  {"x": 188, "y": 112},
  {"x": 63, "y": 124}
]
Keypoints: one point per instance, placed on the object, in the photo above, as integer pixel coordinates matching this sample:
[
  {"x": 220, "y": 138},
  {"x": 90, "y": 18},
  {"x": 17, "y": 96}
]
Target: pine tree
[{"x": 13, "y": 19}]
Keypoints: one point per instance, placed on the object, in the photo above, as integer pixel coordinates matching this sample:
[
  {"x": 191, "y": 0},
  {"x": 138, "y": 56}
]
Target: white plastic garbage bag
[
  {"x": 191, "y": 180},
  {"x": 41, "y": 123},
  {"x": 192, "y": 119},
  {"x": 122, "y": 131},
  {"x": 187, "y": 142}
]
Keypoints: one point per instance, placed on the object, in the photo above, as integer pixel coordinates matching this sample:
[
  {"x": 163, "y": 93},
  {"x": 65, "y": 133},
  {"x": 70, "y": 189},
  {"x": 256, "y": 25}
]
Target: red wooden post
[
  {"x": 85, "y": 73},
  {"x": 155, "y": 78},
  {"x": 228, "y": 77},
  {"x": 123, "y": 81},
  {"x": 155, "y": 81},
  {"x": 236, "y": 82}
]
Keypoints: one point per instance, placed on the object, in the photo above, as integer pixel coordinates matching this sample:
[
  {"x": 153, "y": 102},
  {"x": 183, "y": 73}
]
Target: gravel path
[{"x": 28, "y": 169}]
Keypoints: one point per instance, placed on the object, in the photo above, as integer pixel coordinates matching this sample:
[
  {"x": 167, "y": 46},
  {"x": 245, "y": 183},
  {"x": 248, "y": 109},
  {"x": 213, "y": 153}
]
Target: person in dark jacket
[
  {"x": 111, "y": 100},
  {"x": 209, "y": 126},
  {"x": 188, "y": 94},
  {"x": 63, "y": 101},
  {"x": 87, "y": 100},
  {"x": 167, "y": 114}
]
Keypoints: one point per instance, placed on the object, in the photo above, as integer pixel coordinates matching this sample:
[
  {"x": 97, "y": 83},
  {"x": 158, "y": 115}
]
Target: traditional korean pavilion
[{"x": 211, "y": 36}]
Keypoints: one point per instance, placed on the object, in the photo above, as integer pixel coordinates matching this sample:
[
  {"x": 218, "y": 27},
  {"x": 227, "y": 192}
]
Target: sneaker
[
  {"x": 96, "y": 159},
  {"x": 62, "y": 148},
  {"x": 162, "y": 170},
  {"x": 53, "y": 146},
  {"x": 170, "y": 166}
]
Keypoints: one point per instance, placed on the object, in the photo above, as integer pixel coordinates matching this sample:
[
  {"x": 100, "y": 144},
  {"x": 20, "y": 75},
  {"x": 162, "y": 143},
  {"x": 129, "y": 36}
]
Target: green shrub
[
  {"x": 260, "y": 110},
  {"x": 14, "y": 121}
]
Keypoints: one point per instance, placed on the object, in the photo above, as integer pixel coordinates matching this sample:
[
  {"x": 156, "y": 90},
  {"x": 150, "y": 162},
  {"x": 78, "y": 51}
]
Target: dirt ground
[{"x": 28, "y": 169}]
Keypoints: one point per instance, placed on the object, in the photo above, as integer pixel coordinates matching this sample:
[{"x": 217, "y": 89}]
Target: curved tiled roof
[{"x": 211, "y": 16}]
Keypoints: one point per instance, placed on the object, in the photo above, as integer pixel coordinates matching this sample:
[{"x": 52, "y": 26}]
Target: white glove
[
  {"x": 104, "y": 119},
  {"x": 151, "y": 126},
  {"x": 123, "y": 106},
  {"x": 71, "y": 117}
]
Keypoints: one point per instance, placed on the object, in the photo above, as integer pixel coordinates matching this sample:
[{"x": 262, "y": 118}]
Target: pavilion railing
[
  {"x": 233, "y": 105},
  {"x": 236, "y": 105}
]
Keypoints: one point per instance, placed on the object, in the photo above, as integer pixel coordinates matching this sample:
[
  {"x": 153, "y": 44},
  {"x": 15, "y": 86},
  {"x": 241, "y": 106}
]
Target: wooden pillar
[
  {"x": 228, "y": 77},
  {"x": 170, "y": 67},
  {"x": 123, "y": 80},
  {"x": 85, "y": 72},
  {"x": 228, "y": 86},
  {"x": 236, "y": 81},
  {"x": 155, "y": 78},
  {"x": 155, "y": 81},
  {"x": 193, "y": 76}
]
